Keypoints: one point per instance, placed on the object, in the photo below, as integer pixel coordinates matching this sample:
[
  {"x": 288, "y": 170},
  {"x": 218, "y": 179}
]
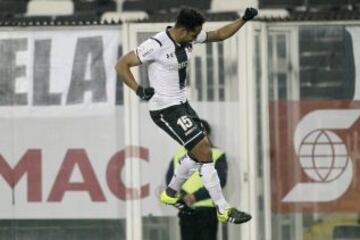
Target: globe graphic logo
[{"x": 323, "y": 155}]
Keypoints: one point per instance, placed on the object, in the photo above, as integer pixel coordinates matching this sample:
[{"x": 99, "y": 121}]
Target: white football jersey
[{"x": 167, "y": 67}]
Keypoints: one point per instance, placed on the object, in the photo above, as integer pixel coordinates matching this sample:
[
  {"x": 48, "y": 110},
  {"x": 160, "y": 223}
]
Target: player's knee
[{"x": 202, "y": 151}]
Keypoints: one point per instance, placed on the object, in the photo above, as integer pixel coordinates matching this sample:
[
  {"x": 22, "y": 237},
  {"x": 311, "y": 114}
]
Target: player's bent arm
[
  {"x": 225, "y": 32},
  {"x": 230, "y": 29},
  {"x": 123, "y": 69}
]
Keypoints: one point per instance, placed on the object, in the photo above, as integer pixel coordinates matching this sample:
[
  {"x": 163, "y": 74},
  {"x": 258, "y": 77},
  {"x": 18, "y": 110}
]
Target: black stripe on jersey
[
  {"x": 181, "y": 57},
  {"x": 156, "y": 41}
]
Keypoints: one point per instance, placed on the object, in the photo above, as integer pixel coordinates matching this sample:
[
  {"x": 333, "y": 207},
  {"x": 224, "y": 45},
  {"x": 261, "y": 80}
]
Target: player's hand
[
  {"x": 145, "y": 93},
  {"x": 249, "y": 14},
  {"x": 184, "y": 209}
]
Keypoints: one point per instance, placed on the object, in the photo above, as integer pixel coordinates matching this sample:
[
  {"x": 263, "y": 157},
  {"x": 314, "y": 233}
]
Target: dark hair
[
  {"x": 189, "y": 19},
  {"x": 206, "y": 126}
]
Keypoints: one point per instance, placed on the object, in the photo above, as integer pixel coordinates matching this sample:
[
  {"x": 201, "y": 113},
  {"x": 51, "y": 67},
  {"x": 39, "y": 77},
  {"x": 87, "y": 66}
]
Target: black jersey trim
[
  {"x": 157, "y": 40},
  {"x": 137, "y": 55}
]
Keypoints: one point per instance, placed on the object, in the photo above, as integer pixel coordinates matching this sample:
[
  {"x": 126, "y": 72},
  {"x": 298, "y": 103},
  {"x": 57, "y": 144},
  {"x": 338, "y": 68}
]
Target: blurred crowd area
[{"x": 115, "y": 10}]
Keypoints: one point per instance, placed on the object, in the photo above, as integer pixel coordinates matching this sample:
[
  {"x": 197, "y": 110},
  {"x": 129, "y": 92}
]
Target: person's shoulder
[
  {"x": 150, "y": 48},
  {"x": 217, "y": 150},
  {"x": 152, "y": 41},
  {"x": 181, "y": 151},
  {"x": 160, "y": 38}
]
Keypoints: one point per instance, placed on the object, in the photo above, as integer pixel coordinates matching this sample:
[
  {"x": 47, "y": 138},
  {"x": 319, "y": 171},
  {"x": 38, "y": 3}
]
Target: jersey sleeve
[
  {"x": 201, "y": 37},
  {"x": 147, "y": 51}
]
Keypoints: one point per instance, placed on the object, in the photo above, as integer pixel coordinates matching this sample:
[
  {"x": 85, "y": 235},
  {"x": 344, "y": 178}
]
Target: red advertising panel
[{"x": 315, "y": 153}]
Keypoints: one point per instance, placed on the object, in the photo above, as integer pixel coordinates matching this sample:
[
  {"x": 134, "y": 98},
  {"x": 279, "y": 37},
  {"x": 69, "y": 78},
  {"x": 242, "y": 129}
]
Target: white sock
[
  {"x": 182, "y": 172},
  {"x": 212, "y": 184}
]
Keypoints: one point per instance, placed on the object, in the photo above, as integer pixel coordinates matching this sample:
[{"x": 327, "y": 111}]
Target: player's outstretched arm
[
  {"x": 123, "y": 69},
  {"x": 230, "y": 29}
]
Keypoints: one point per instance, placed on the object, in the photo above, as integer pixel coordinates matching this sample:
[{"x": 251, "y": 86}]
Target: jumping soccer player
[{"x": 167, "y": 53}]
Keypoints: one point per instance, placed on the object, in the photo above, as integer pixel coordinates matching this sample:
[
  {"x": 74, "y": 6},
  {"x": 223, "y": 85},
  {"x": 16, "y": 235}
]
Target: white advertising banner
[
  {"x": 58, "y": 124},
  {"x": 56, "y": 72}
]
